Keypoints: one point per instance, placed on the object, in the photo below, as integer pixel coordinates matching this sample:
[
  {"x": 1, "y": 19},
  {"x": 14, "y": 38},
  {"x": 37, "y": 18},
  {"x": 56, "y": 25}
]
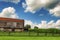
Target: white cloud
[
  {"x": 33, "y": 5},
  {"x": 28, "y": 22},
  {"x": 13, "y": 1},
  {"x": 44, "y": 24},
  {"x": 51, "y": 24},
  {"x": 58, "y": 24},
  {"x": 8, "y": 13},
  {"x": 24, "y": 5},
  {"x": 55, "y": 11}
]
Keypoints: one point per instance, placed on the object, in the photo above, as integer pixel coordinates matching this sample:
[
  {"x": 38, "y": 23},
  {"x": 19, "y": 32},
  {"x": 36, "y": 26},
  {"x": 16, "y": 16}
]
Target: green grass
[
  {"x": 24, "y": 34},
  {"x": 28, "y": 38}
]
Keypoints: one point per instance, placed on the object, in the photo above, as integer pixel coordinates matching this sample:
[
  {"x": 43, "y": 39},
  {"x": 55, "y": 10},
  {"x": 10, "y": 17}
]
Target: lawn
[{"x": 28, "y": 38}]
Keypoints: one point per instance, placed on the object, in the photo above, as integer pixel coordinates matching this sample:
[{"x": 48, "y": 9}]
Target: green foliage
[
  {"x": 27, "y": 27},
  {"x": 35, "y": 27}
]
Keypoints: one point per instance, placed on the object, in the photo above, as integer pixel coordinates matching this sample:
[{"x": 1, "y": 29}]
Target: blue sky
[{"x": 39, "y": 15}]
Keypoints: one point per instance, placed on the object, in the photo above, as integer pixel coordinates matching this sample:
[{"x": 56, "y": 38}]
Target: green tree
[
  {"x": 52, "y": 31},
  {"x": 36, "y": 29},
  {"x": 28, "y": 27}
]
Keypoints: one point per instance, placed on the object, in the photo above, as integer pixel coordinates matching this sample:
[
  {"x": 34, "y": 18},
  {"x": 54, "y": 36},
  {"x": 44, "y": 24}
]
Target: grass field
[
  {"x": 28, "y": 38},
  {"x": 28, "y": 34}
]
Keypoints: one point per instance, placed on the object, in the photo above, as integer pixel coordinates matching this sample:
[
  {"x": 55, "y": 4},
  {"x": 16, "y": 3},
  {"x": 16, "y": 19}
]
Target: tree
[
  {"x": 52, "y": 30},
  {"x": 35, "y": 27},
  {"x": 27, "y": 28},
  {"x": 36, "y": 30}
]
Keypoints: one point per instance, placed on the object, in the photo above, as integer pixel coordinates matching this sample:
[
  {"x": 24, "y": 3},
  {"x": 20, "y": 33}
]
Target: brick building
[{"x": 9, "y": 24}]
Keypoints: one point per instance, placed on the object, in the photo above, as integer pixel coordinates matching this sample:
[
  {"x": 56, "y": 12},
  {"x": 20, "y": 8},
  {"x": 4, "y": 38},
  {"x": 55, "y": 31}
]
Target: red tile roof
[{"x": 11, "y": 19}]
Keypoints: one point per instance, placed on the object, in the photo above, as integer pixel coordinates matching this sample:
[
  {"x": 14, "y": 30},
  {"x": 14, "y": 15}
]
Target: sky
[{"x": 40, "y": 13}]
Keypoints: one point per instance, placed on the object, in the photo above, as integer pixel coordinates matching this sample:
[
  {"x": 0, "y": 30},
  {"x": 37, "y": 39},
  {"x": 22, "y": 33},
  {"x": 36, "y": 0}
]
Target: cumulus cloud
[
  {"x": 13, "y": 1},
  {"x": 28, "y": 22},
  {"x": 51, "y": 24},
  {"x": 44, "y": 24},
  {"x": 55, "y": 11},
  {"x": 33, "y": 5},
  {"x": 8, "y": 13},
  {"x": 58, "y": 24}
]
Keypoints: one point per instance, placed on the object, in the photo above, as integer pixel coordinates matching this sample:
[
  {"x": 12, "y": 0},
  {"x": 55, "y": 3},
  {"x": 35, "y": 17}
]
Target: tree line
[{"x": 40, "y": 30}]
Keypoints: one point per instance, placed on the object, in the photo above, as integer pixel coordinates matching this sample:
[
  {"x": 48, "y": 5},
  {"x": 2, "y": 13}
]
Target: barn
[{"x": 10, "y": 24}]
